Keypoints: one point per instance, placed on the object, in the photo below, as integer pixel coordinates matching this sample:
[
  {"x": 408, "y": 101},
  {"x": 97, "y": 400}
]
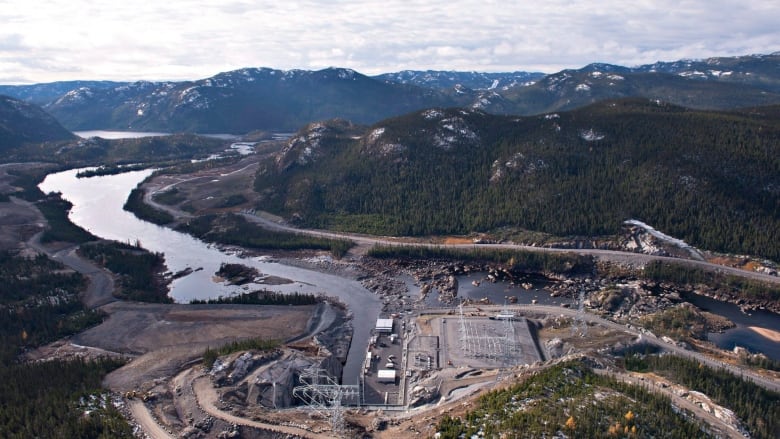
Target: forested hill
[
  {"x": 710, "y": 178},
  {"x": 21, "y": 122}
]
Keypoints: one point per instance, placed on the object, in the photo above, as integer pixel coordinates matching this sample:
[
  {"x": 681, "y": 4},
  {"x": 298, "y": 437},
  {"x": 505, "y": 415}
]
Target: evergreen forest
[
  {"x": 141, "y": 272},
  {"x": 709, "y": 178},
  {"x": 58, "y": 398},
  {"x": 571, "y": 399},
  {"x": 756, "y": 407},
  {"x": 233, "y": 229}
]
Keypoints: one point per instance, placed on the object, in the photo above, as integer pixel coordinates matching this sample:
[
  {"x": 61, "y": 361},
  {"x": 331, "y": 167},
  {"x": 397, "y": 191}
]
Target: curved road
[
  {"x": 612, "y": 255},
  {"x": 207, "y": 398},
  {"x": 745, "y": 373},
  {"x": 367, "y": 241},
  {"x": 145, "y": 420},
  {"x": 722, "y": 428},
  {"x": 101, "y": 283}
]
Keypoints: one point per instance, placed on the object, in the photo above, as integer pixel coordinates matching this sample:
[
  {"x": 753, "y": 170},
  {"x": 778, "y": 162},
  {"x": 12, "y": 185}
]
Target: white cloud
[{"x": 187, "y": 39}]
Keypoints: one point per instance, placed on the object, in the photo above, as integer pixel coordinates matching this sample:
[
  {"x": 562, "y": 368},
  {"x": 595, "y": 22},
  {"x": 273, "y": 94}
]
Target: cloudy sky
[{"x": 50, "y": 40}]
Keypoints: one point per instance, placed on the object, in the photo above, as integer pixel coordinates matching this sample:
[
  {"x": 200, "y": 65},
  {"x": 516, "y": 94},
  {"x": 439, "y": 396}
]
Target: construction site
[
  {"x": 412, "y": 361},
  {"x": 398, "y": 363}
]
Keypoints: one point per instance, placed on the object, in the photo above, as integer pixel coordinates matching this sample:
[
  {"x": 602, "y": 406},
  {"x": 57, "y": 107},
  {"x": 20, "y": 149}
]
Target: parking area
[
  {"x": 470, "y": 341},
  {"x": 383, "y": 366}
]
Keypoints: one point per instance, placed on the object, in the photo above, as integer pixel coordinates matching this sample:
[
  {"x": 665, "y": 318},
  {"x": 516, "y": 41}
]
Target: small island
[{"x": 237, "y": 274}]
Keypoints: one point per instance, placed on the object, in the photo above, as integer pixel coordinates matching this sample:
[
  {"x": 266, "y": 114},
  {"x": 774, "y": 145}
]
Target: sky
[{"x": 129, "y": 40}]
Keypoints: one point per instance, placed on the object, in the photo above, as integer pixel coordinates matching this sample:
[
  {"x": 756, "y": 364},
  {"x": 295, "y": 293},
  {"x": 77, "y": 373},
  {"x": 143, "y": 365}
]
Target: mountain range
[
  {"x": 284, "y": 100},
  {"x": 406, "y": 159}
]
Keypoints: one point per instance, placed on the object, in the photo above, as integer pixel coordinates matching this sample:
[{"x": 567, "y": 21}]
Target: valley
[
  {"x": 203, "y": 191},
  {"x": 582, "y": 254}
]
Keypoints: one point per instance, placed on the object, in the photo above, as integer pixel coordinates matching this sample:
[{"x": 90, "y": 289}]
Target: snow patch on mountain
[
  {"x": 554, "y": 82},
  {"x": 591, "y": 135},
  {"x": 452, "y": 131},
  {"x": 518, "y": 163},
  {"x": 693, "y": 74},
  {"x": 75, "y": 96},
  {"x": 387, "y": 149},
  {"x": 486, "y": 100},
  {"x": 302, "y": 149},
  {"x": 432, "y": 114},
  {"x": 375, "y": 143},
  {"x": 346, "y": 74},
  {"x": 374, "y": 135},
  {"x": 192, "y": 97},
  {"x": 482, "y": 102}
]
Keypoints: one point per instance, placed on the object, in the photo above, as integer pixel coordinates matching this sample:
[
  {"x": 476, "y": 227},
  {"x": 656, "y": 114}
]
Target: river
[
  {"x": 97, "y": 207},
  {"x": 743, "y": 334}
]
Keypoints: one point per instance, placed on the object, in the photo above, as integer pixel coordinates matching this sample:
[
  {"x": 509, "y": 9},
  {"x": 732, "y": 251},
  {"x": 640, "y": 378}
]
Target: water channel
[
  {"x": 97, "y": 207},
  {"x": 743, "y": 335}
]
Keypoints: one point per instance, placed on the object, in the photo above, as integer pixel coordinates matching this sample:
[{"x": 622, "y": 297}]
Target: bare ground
[
  {"x": 166, "y": 337},
  {"x": 18, "y": 220}
]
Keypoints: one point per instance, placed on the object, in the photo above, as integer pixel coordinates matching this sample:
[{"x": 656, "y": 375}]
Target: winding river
[{"x": 97, "y": 207}]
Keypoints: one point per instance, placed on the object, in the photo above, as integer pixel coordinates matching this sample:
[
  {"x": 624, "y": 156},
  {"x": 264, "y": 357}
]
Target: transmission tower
[
  {"x": 579, "y": 326},
  {"x": 320, "y": 392},
  {"x": 463, "y": 329}
]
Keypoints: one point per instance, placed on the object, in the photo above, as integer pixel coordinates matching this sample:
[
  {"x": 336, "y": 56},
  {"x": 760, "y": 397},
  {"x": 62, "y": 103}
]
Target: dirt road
[
  {"x": 207, "y": 399},
  {"x": 744, "y": 372},
  {"x": 145, "y": 420},
  {"x": 101, "y": 283},
  {"x": 721, "y": 427},
  {"x": 365, "y": 242}
]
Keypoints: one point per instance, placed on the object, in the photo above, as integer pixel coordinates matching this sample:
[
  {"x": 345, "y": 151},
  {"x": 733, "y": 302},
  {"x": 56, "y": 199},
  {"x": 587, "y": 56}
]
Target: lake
[{"x": 107, "y": 134}]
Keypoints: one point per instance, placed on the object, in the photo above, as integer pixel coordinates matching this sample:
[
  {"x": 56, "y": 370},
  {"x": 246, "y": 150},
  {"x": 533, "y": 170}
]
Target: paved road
[
  {"x": 745, "y": 373},
  {"x": 367, "y": 241},
  {"x": 612, "y": 255}
]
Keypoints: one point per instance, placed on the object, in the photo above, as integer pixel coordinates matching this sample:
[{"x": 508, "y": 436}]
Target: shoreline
[{"x": 769, "y": 334}]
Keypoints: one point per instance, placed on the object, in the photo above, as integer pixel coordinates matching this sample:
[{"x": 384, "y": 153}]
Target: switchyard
[
  {"x": 403, "y": 354},
  {"x": 487, "y": 343}
]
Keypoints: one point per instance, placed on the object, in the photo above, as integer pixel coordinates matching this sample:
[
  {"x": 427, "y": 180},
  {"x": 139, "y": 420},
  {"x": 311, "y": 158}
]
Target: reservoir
[{"x": 97, "y": 207}]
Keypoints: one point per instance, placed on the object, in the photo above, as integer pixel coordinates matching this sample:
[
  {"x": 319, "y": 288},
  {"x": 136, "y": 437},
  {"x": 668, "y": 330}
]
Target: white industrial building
[
  {"x": 384, "y": 326},
  {"x": 386, "y": 376}
]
